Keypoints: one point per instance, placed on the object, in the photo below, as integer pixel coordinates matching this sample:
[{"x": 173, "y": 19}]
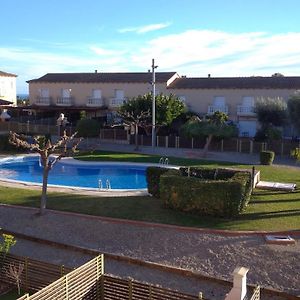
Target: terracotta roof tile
[
  {"x": 5, "y": 74},
  {"x": 236, "y": 83},
  {"x": 142, "y": 77}
]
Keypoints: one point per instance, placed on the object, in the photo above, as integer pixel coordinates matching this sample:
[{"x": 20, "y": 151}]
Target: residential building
[
  {"x": 8, "y": 90},
  {"x": 100, "y": 94}
]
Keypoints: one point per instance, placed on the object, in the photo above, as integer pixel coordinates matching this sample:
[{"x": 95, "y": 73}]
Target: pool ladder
[
  {"x": 107, "y": 185},
  {"x": 163, "y": 161}
]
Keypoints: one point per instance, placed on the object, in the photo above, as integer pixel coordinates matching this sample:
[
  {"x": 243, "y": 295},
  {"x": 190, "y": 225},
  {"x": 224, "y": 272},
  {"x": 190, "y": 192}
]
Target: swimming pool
[{"x": 72, "y": 173}]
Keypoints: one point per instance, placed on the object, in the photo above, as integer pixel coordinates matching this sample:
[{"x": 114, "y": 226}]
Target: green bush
[
  {"x": 88, "y": 128},
  {"x": 152, "y": 176},
  {"x": 266, "y": 157},
  {"x": 216, "y": 197},
  {"x": 6, "y": 146}
]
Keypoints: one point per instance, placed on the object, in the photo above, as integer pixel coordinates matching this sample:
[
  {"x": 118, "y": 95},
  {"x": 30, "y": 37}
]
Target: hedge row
[
  {"x": 153, "y": 176},
  {"x": 216, "y": 192}
]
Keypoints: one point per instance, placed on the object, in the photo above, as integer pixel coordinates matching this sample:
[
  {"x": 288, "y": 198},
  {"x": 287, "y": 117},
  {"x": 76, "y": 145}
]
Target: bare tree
[
  {"x": 63, "y": 147},
  {"x": 14, "y": 272}
]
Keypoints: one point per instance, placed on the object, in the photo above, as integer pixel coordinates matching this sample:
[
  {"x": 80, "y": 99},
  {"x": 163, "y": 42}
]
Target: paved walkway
[{"x": 214, "y": 255}]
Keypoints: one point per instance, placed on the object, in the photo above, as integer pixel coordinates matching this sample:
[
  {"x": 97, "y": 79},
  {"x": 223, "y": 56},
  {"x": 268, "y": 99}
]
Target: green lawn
[
  {"x": 13, "y": 295},
  {"x": 267, "y": 210}
]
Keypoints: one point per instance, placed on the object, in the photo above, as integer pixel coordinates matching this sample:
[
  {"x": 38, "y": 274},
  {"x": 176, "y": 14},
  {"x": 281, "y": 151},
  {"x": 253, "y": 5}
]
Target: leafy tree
[
  {"x": 137, "y": 112},
  {"x": 210, "y": 126},
  {"x": 271, "y": 112},
  {"x": 60, "y": 148},
  {"x": 293, "y": 105}
]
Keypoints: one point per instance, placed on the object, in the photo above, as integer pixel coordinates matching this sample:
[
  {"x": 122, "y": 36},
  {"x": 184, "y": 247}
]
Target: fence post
[
  {"x": 67, "y": 286},
  {"x": 62, "y": 270},
  {"x": 239, "y": 290},
  {"x": 177, "y": 141},
  {"x": 240, "y": 145},
  {"x": 192, "y": 143},
  {"x": 157, "y": 141},
  {"x": 26, "y": 273},
  {"x": 129, "y": 289},
  {"x": 251, "y": 147},
  {"x": 281, "y": 149},
  {"x": 167, "y": 141},
  {"x": 222, "y": 145},
  {"x": 142, "y": 140},
  {"x": 237, "y": 145}
]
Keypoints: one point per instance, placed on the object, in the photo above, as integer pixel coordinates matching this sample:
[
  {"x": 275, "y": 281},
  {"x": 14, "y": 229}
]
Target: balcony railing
[
  {"x": 64, "y": 101},
  {"x": 43, "y": 101},
  {"x": 116, "y": 102},
  {"x": 243, "y": 110},
  {"x": 95, "y": 102},
  {"x": 213, "y": 108}
]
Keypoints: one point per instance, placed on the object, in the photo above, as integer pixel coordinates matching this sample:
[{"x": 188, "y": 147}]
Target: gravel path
[{"x": 210, "y": 254}]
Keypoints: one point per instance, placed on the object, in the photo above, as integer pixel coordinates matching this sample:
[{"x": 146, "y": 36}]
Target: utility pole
[{"x": 153, "y": 104}]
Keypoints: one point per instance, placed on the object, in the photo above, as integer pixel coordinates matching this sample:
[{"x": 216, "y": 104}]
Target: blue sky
[{"x": 192, "y": 37}]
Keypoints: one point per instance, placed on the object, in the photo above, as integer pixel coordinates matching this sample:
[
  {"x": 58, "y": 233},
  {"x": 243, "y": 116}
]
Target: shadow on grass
[
  {"x": 274, "y": 201},
  {"x": 270, "y": 214}
]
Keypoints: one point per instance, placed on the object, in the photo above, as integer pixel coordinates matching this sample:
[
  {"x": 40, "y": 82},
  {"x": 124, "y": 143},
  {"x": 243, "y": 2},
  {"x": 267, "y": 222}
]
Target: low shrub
[
  {"x": 225, "y": 197},
  {"x": 88, "y": 128},
  {"x": 6, "y": 146},
  {"x": 153, "y": 176},
  {"x": 266, "y": 157}
]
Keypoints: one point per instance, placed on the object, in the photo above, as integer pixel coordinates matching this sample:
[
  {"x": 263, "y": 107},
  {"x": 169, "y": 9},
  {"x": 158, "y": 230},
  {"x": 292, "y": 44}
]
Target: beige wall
[
  {"x": 198, "y": 100},
  {"x": 82, "y": 91},
  {"x": 8, "y": 88}
]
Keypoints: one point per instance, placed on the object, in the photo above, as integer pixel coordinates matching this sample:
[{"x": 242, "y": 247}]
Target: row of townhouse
[{"x": 100, "y": 94}]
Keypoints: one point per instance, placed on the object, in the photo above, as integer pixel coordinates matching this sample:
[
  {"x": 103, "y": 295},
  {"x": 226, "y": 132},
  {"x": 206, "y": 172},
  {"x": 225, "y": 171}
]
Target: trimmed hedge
[
  {"x": 216, "y": 197},
  {"x": 266, "y": 157},
  {"x": 6, "y": 146},
  {"x": 152, "y": 176}
]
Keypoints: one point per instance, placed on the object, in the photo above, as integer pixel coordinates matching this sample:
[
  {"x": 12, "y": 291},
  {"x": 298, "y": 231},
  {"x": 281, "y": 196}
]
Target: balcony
[
  {"x": 43, "y": 101},
  {"x": 116, "y": 102},
  {"x": 64, "y": 101},
  {"x": 213, "y": 108},
  {"x": 95, "y": 102},
  {"x": 245, "y": 110}
]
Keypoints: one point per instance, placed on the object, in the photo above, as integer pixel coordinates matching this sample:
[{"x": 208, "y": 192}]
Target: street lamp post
[{"x": 153, "y": 104}]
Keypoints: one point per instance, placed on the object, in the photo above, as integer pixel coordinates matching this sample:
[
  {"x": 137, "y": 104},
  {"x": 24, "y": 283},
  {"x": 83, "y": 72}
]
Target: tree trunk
[
  {"x": 208, "y": 141},
  {"x": 44, "y": 190},
  {"x": 136, "y": 138}
]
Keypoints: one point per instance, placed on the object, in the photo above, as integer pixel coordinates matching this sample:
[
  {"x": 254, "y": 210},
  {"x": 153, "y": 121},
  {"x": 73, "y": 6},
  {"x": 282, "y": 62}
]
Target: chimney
[
  {"x": 96, "y": 71},
  {"x": 208, "y": 75}
]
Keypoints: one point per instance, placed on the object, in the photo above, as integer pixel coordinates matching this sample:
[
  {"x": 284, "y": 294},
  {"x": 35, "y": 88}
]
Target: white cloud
[
  {"x": 191, "y": 53},
  {"x": 145, "y": 28}
]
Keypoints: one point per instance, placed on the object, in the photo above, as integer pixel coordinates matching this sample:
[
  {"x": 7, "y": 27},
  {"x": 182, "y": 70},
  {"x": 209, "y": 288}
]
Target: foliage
[
  {"x": 88, "y": 128},
  {"x": 137, "y": 111},
  {"x": 152, "y": 176},
  {"x": 215, "y": 125},
  {"x": 266, "y": 157},
  {"x": 7, "y": 242},
  {"x": 293, "y": 105},
  {"x": 63, "y": 147},
  {"x": 296, "y": 154},
  {"x": 225, "y": 197},
  {"x": 4, "y": 143},
  {"x": 271, "y": 111},
  {"x": 211, "y": 126}
]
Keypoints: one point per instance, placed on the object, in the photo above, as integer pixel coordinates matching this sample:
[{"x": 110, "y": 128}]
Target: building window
[
  {"x": 119, "y": 94},
  {"x": 97, "y": 94}
]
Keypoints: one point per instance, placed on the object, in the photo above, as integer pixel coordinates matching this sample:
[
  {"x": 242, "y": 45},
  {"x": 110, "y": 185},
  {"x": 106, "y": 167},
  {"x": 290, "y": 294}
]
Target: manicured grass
[
  {"x": 267, "y": 210},
  {"x": 11, "y": 295}
]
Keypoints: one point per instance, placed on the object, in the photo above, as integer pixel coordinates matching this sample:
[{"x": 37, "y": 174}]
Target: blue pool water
[{"x": 89, "y": 175}]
